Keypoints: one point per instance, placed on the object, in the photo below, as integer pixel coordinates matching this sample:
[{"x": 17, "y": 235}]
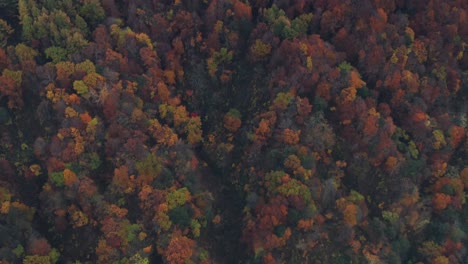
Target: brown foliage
[
  {"x": 11, "y": 89},
  {"x": 349, "y": 213},
  {"x": 87, "y": 188},
  {"x": 290, "y": 136},
  {"x": 263, "y": 130},
  {"x": 457, "y": 134},
  {"x": 163, "y": 134},
  {"x": 464, "y": 177},
  {"x": 69, "y": 177},
  {"x": 110, "y": 105},
  {"x": 391, "y": 163},
  {"x": 269, "y": 259},
  {"x": 305, "y": 225},
  {"x": 379, "y": 20},
  {"x": 304, "y": 108},
  {"x": 231, "y": 123},
  {"x": 39, "y": 247},
  {"x": 53, "y": 165},
  {"x": 371, "y": 123},
  {"x": 323, "y": 90},
  {"x": 163, "y": 92},
  {"x": 180, "y": 249},
  {"x": 440, "y": 201},
  {"x": 122, "y": 180},
  {"x": 105, "y": 252},
  {"x": 242, "y": 10},
  {"x": 149, "y": 57},
  {"x": 3, "y": 60}
]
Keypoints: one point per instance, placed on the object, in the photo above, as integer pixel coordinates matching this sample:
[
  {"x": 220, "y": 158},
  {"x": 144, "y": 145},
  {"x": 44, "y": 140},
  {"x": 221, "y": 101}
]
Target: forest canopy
[{"x": 233, "y": 131}]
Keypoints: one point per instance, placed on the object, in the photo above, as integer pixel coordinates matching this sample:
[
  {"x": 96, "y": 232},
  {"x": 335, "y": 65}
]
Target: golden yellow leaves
[
  {"x": 35, "y": 169},
  {"x": 259, "y": 49},
  {"x": 163, "y": 134},
  {"x": 77, "y": 217},
  {"x": 348, "y": 94}
]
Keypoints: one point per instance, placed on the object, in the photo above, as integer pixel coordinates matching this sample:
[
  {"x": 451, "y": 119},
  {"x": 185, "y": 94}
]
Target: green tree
[
  {"x": 25, "y": 53},
  {"x": 15, "y": 75},
  {"x": 92, "y": 12},
  {"x": 57, "y": 178},
  {"x": 28, "y": 29},
  {"x": 37, "y": 260},
  {"x": 5, "y": 31},
  {"x": 181, "y": 216},
  {"x": 80, "y": 87},
  {"x": 75, "y": 42},
  {"x": 149, "y": 167},
  {"x": 57, "y": 54},
  {"x": 177, "y": 198}
]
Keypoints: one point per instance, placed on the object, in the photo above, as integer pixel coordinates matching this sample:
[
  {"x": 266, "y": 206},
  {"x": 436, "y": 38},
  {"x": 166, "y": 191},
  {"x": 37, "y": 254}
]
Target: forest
[{"x": 233, "y": 131}]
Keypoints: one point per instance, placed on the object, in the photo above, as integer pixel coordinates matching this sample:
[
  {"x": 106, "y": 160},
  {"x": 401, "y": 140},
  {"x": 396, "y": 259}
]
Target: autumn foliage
[{"x": 232, "y": 131}]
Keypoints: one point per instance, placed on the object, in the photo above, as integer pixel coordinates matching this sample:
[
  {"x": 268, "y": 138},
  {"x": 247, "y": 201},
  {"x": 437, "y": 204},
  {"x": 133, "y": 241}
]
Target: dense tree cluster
[{"x": 231, "y": 131}]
